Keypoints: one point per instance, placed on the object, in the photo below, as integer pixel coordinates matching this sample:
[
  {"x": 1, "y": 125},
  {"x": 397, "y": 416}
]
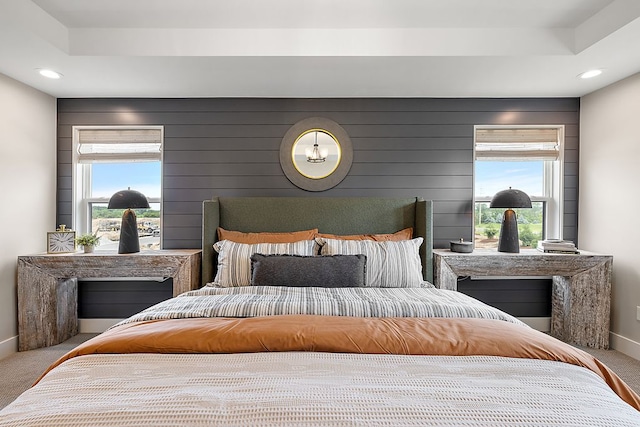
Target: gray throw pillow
[{"x": 326, "y": 271}]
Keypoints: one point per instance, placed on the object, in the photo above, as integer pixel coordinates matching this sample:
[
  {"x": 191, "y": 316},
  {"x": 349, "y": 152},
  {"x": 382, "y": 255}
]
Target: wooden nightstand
[
  {"x": 581, "y": 293},
  {"x": 48, "y": 286}
]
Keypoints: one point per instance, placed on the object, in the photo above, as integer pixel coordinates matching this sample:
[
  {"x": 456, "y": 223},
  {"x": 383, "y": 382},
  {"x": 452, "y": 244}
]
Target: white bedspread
[{"x": 324, "y": 390}]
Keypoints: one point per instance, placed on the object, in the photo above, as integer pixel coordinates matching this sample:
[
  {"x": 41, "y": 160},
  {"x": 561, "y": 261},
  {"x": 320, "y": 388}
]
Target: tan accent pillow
[
  {"x": 406, "y": 234},
  {"x": 253, "y": 238}
]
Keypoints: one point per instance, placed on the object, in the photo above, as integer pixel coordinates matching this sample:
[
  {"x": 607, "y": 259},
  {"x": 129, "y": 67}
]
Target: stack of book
[{"x": 557, "y": 246}]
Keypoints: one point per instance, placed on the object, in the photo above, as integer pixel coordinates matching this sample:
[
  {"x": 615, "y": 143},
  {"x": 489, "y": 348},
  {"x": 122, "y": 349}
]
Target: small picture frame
[{"x": 61, "y": 241}]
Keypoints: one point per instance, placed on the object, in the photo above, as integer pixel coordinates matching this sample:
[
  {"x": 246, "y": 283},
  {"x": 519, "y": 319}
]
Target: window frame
[
  {"x": 81, "y": 178},
  {"x": 553, "y": 182}
]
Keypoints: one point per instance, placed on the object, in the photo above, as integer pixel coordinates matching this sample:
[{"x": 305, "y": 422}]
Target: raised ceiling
[{"x": 319, "y": 48}]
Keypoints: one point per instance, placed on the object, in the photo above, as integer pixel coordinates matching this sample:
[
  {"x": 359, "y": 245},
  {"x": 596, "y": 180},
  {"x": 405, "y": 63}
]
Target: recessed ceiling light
[
  {"x": 590, "y": 73},
  {"x": 49, "y": 73}
]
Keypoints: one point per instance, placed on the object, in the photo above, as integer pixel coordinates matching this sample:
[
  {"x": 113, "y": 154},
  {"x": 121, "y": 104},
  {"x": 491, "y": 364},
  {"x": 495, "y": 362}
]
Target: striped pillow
[
  {"x": 234, "y": 259},
  {"x": 389, "y": 264}
]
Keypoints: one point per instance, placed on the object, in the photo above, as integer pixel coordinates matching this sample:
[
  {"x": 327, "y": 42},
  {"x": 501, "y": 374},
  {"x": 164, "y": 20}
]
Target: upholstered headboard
[{"x": 335, "y": 215}]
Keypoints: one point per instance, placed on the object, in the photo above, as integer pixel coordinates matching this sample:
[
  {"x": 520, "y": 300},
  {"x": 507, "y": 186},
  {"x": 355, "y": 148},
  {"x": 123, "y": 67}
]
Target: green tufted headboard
[{"x": 335, "y": 215}]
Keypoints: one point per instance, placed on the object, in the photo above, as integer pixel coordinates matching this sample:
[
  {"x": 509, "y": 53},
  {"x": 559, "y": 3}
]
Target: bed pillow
[
  {"x": 324, "y": 271},
  {"x": 389, "y": 264},
  {"x": 234, "y": 263},
  {"x": 267, "y": 237},
  {"x": 405, "y": 234}
]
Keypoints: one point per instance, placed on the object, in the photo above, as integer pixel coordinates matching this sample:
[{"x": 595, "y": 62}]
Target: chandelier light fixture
[{"x": 315, "y": 155}]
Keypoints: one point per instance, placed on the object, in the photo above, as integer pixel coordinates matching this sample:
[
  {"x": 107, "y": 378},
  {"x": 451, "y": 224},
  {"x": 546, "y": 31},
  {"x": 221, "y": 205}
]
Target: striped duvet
[{"x": 254, "y": 301}]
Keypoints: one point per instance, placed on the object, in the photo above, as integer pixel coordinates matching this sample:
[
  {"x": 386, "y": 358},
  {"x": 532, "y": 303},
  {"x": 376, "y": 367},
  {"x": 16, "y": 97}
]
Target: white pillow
[
  {"x": 389, "y": 264},
  {"x": 234, "y": 259}
]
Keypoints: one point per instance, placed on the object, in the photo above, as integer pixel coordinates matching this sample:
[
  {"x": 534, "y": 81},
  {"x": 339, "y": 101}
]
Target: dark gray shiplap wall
[{"x": 402, "y": 148}]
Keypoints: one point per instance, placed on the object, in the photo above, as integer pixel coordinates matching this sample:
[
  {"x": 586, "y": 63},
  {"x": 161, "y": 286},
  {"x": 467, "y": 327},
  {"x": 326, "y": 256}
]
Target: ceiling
[{"x": 319, "y": 48}]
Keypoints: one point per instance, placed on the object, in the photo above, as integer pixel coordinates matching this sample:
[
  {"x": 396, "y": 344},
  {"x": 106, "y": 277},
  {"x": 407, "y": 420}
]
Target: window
[
  {"x": 528, "y": 158},
  {"x": 109, "y": 159}
]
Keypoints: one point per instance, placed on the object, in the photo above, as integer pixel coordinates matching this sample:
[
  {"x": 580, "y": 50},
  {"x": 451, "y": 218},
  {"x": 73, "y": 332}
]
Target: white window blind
[
  {"x": 119, "y": 145},
  {"x": 517, "y": 143}
]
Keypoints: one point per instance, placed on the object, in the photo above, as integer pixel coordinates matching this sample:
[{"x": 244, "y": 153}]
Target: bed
[{"x": 327, "y": 331}]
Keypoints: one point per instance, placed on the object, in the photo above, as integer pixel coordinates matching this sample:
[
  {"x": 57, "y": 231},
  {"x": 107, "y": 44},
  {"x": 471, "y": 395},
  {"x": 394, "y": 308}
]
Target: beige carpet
[
  {"x": 626, "y": 367},
  {"x": 20, "y": 370}
]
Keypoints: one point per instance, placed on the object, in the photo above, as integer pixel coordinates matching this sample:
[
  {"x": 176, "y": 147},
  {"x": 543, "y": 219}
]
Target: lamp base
[
  {"x": 129, "y": 241},
  {"x": 509, "y": 239}
]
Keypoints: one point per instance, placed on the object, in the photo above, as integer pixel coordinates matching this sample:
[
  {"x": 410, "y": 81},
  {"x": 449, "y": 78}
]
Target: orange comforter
[{"x": 414, "y": 336}]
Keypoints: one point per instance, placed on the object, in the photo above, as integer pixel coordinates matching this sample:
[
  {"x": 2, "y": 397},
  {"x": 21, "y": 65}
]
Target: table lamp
[
  {"x": 511, "y": 198},
  {"x": 128, "y": 199}
]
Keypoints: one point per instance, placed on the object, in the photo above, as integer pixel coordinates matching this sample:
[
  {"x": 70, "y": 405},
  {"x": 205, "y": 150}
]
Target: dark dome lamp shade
[
  {"x": 511, "y": 198},
  {"x": 128, "y": 199}
]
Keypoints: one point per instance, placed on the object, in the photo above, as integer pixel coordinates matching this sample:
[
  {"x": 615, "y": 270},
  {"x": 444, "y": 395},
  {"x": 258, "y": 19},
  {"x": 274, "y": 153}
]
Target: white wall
[
  {"x": 28, "y": 188},
  {"x": 609, "y": 201}
]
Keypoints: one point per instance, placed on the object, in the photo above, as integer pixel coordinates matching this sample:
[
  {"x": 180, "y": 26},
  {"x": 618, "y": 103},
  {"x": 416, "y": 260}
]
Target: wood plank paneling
[
  {"x": 183, "y": 116},
  {"x": 403, "y": 147},
  {"x": 520, "y": 297},
  {"x": 513, "y": 106},
  {"x": 117, "y": 299}
]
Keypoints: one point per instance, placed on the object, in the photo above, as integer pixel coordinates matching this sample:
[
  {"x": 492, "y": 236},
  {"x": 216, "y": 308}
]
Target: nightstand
[
  {"x": 581, "y": 290},
  {"x": 48, "y": 286}
]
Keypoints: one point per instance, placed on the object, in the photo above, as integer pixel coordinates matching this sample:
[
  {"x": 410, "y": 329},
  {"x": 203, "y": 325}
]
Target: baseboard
[
  {"x": 542, "y": 324},
  {"x": 624, "y": 345},
  {"x": 8, "y": 347},
  {"x": 96, "y": 326}
]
